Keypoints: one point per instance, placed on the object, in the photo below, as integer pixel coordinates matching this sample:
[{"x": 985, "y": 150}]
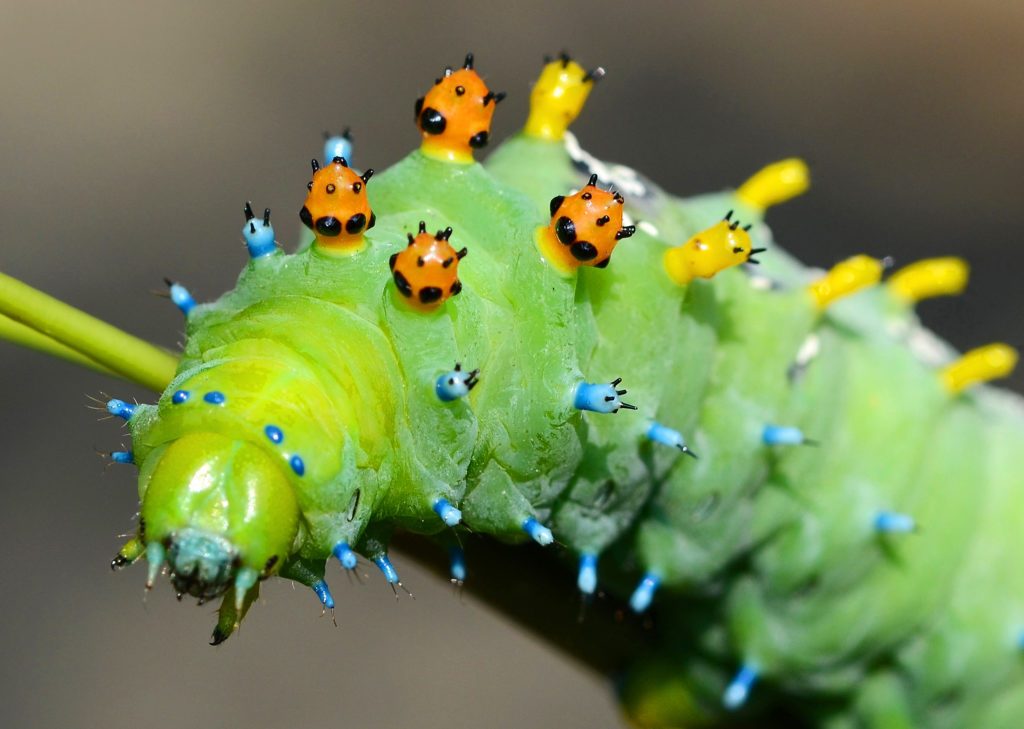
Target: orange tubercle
[
  {"x": 426, "y": 272},
  {"x": 584, "y": 228},
  {"x": 337, "y": 209},
  {"x": 454, "y": 117}
]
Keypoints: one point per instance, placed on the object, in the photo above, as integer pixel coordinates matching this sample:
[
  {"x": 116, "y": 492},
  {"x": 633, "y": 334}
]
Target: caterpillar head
[
  {"x": 216, "y": 510},
  {"x": 584, "y": 229},
  {"x": 426, "y": 272},
  {"x": 454, "y": 117},
  {"x": 558, "y": 97},
  {"x": 723, "y": 245},
  {"x": 337, "y": 208}
]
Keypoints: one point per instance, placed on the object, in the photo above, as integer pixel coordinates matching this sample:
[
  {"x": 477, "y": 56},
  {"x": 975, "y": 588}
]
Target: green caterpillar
[{"x": 386, "y": 378}]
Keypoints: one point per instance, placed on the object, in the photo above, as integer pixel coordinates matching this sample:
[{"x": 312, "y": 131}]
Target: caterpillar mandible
[{"x": 755, "y": 493}]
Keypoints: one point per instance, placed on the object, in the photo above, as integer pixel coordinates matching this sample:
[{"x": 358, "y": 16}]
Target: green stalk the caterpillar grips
[{"x": 810, "y": 498}]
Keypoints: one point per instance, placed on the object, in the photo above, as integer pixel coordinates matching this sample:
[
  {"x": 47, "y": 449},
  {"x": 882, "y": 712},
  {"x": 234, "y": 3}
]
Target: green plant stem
[
  {"x": 25, "y": 336},
  {"x": 121, "y": 353}
]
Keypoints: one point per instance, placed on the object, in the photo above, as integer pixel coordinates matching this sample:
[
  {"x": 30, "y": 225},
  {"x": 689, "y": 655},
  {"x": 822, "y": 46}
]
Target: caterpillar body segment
[{"x": 313, "y": 412}]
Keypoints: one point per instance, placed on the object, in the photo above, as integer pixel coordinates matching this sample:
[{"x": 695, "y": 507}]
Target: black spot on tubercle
[
  {"x": 432, "y": 122},
  {"x": 391, "y": 261},
  {"x": 373, "y": 220},
  {"x": 355, "y": 224},
  {"x": 328, "y": 225},
  {"x": 430, "y": 294},
  {"x": 479, "y": 140},
  {"x": 583, "y": 250},
  {"x": 403, "y": 284},
  {"x": 565, "y": 229},
  {"x": 419, "y": 107},
  {"x": 456, "y": 288},
  {"x": 306, "y": 217},
  {"x": 556, "y": 202}
]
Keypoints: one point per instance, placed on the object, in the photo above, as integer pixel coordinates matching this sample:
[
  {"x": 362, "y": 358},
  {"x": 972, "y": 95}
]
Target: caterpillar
[{"x": 809, "y": 497}]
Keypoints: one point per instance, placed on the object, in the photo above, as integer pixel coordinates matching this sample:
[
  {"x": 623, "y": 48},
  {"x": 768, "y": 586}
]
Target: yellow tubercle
[
  {"x": 928, "y": 278},
  {"x": 443, "y": 151},
  {"x": 990, "y": 362},
  {"x": 776, "y": 183},
  {"x": 558, "y": 97},
  {"x": 845, "y": 278},
  {"x": 723, "y": 245}
]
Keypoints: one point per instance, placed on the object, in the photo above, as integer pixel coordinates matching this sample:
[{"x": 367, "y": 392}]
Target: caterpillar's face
[
  {"x": 337, "y": 208},
  {"x": 426, "y": 272},
  {"x": 721, "y": 246},
  {"x": 455, "y": 115},
  {"x": 585, "y": 227},
  {"x": 214, "y": 506}
]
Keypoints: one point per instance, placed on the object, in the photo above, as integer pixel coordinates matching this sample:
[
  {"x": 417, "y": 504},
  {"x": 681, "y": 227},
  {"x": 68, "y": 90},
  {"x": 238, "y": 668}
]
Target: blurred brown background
[{"x": 130, "y": 135}]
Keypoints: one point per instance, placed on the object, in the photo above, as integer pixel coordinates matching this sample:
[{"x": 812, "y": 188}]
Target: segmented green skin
[{"x": 766, "y": 556}]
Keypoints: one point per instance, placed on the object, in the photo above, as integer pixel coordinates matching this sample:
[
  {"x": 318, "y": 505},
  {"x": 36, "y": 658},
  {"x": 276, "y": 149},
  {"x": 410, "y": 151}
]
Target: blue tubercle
[
  {"x": 324, "y": 593},
  {"x": 784, "y": 435},
  {"x": 215, "y": 397},
  {"x": 737, "y": 693},
  {"x": 538, "y": 532},
  {"x": 600, "y": 397},
  {"x": 642, "y": 596},
  {"x": 458, "y": 564},
  {"x": 668, "y": 436},
  {"x": 259, "y": 235},
  {"x": 448, "y": 513},
  {"x": 344, "y": 554},
  {"x": 384, "y": 563},
  {"x": 181, "y": 297},
  {"x": 298, "y": 465},
  {"x": 126, "y": 457},
  {"x": 338, "y": 145},
  {"x": 455, "y": 384},
  {"x": 275, "y": 434},
  {"x": 587, "y": 579},
  {"x": 180, "y": 396},
  {"x": 121, "y": 409},
  {"x": 892, "y": 522}
]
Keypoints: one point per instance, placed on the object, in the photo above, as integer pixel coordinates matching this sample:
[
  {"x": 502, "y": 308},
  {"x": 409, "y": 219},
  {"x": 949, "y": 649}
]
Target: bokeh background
[{"x": 130, "y": 135}]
